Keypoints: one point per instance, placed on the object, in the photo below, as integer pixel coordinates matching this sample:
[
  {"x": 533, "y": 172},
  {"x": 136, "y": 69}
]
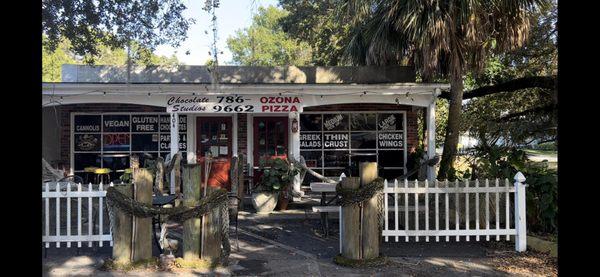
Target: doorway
[
  {"x": 214, "y": 137},
  {"x": 270, "y": 140}
]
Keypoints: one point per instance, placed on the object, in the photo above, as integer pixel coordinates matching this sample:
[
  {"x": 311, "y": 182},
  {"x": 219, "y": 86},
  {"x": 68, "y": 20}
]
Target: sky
[{"x": 232, "y": 15}]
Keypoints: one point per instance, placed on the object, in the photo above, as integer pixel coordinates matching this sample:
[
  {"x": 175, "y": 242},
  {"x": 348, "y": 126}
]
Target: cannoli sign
[{"x": 234, "y": 104}]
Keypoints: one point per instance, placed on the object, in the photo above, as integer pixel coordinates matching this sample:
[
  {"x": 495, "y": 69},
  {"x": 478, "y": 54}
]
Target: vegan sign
[{"x": 234, "y": 104}]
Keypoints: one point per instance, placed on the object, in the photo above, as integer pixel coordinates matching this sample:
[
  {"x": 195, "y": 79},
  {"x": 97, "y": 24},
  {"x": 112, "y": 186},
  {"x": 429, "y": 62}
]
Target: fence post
[
  {"x": 210, "y": 246},
  {"x": 142, "y": 233},
  {"x": 520, "y": 213},
  {"x": 191, "y": 197},
  {"x": 122, "y": 224},
  {"x": 370, "y": 234},
  {"x": 350, "y": 217}
]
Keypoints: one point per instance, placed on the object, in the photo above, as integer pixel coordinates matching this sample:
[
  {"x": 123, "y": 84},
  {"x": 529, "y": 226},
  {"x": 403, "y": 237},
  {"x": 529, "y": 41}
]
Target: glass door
[
  {"x": 213, "y": 137},
  {"x": 270, "y": 140}
]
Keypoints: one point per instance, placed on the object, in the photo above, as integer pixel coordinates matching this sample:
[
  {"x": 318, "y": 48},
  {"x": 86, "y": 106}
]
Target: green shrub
[
  {"x": 277, "y": 174},
  {"x": 542, "y": 190}
]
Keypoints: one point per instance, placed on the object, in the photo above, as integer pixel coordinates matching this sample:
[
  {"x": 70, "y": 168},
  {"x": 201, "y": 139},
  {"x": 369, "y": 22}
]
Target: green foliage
[
  {"x": 264, "y": 43},
  {"x": 53, "y": 60},
  {"x": 277, "y": 175},
  {"x": 114, "y": 23},
  {"x": 523, "y": 116},
  {"x": 542, "y": 198},
  {"x": 542, "y": 191},
  {"x": 317, "y": 23}
]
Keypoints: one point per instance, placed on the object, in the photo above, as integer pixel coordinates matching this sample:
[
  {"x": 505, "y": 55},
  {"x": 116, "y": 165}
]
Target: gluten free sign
[{"x": 234, "y": 104}]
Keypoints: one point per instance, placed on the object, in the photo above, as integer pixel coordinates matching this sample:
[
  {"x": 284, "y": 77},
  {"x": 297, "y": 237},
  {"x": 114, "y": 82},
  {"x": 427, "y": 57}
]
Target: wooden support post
[
  {"x": 191, "y": 227},
  {"x": 177, "y": 180},
  {"x": 211, "y": 233},
  {"x": 241, "y": 185},
  {"x": 370, "y": 221},
  {"x": 233, "y": 175},
  {"x": 351, "y": 223},
  {"x": 142, "y": 232},
  {"x": 160, "y": 175},
  {"x": 122, "y": 224}
]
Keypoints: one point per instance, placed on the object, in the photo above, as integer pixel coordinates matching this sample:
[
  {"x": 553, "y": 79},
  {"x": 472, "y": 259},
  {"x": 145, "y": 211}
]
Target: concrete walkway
[{"x": 286, "y": 247}]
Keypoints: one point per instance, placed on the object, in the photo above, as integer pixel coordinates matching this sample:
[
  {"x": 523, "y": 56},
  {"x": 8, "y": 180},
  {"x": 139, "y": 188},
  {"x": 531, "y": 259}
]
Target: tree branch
[
  {"x": 547, "y": 108},
  {"x": 548, "y": 82}
]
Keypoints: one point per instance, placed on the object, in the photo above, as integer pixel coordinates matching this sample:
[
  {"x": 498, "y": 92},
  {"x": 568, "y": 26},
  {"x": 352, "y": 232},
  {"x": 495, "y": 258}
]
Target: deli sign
[{"x": 234, "y": 104}]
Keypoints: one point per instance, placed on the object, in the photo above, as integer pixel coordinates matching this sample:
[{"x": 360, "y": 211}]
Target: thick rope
[{"x": 356, "y": 196}]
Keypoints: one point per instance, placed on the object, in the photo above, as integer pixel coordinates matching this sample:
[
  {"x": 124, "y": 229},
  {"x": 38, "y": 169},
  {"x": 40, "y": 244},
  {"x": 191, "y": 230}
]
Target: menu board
[{"x": 144, "y": 123}]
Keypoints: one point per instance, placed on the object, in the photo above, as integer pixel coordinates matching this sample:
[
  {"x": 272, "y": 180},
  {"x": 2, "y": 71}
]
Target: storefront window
[
  {"x": 335, "y": 143},
  {"x": 109, "y": 140}
]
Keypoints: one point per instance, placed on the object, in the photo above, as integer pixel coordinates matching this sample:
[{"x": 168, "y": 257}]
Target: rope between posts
[{"x": 215, "y": 200}]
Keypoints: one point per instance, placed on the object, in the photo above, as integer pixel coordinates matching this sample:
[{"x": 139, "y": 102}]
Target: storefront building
[{"x": 334, "y": 117}]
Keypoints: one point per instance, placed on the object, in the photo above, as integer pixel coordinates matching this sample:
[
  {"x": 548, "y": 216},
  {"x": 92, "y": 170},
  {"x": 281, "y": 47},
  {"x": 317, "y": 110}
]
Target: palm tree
[{"x": 442, "y": 39}]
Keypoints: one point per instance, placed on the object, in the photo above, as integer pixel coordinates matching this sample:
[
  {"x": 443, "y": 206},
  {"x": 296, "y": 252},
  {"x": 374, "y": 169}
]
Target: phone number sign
[{"x": 234, "y": 104}]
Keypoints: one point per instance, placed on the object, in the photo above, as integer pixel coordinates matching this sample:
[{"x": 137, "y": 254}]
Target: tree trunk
[{"x": 453, "y": 127}]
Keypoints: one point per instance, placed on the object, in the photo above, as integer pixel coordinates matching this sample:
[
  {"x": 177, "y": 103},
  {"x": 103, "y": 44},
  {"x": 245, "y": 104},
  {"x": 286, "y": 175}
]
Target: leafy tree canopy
[
  {"x": 52, "y": 60},
  {"x": 264, "y": 43},
  {"x": 318, "y": 23},
  {"x": 522, "y": 116},
  {"x": 113, "y": 23}
]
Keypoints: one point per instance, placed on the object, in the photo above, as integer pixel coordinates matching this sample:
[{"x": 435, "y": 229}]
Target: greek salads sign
[{"x": 234, "y": 104}]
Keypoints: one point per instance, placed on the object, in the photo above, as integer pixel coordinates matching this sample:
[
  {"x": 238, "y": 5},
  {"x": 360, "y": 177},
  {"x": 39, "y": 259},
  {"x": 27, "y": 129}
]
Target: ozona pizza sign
[{"x": 234, "y": 104}]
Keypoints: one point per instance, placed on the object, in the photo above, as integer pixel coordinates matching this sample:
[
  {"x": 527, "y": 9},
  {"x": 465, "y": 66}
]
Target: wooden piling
[
  {"x": 370, "y": 221},
  {"x": 211, "y": 233},
  {"x": 191, "y": 227},
  {"x": 160, "y": 175},
  {"x": 142, "y": 232},
  {"x": 122, "y": 227},
  {"x": 351, "y": 223}
]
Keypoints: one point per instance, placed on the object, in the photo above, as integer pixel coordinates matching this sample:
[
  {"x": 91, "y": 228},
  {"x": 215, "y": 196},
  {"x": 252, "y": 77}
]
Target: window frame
[
  {"x": 129, "y": 152},
  {"x": 350, "y": 150}
]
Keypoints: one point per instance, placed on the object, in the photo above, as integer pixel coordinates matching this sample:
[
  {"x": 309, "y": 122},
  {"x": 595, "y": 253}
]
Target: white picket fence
[
  {"x": 410, "y": 207},
  {"x": 69, "y": 218}
]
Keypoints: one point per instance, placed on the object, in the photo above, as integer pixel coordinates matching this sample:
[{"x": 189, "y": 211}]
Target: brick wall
[{"x": 65, "y": 120}]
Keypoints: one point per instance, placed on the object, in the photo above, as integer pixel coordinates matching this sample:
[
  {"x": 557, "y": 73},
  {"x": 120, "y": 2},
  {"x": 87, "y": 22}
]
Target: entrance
[
  {"x": 270, "y": 140},
  {"x": 213, "y": 136}
]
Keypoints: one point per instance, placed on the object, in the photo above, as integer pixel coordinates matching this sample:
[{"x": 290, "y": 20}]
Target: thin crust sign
[{"x": 234, "y": 104}]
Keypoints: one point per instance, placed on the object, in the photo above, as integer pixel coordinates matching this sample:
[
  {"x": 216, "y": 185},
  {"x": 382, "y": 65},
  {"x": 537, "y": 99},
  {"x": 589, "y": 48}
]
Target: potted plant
[{"x": 277, "y": 175}]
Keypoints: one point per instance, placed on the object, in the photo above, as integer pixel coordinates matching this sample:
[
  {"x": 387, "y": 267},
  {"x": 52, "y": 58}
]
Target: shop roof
[{"x": 239, "y": 74}]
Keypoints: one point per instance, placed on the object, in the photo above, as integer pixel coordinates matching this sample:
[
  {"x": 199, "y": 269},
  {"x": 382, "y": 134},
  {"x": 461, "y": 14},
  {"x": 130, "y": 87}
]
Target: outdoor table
[
  {"x": 324, "y": 188},
  {"x": 159, "y": 201}
]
